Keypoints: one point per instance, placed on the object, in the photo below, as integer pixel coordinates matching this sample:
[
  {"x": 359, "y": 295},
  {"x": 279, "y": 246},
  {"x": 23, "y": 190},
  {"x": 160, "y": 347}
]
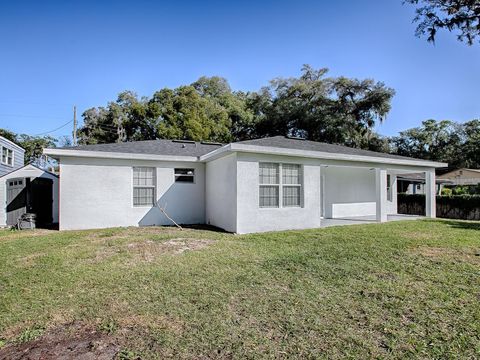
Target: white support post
[
  {"x": 381, "y": 194},
  {"x": 430, "y": 194}
]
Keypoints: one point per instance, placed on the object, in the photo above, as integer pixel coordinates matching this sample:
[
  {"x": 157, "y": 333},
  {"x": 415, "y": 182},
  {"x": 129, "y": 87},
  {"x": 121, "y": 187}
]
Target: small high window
[
  {"x": 143, "y": 186},
  {"x": 185, "y": 175}
]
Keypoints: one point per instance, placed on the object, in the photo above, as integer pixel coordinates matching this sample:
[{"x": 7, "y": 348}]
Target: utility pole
[{"x": 74, "y": 125}]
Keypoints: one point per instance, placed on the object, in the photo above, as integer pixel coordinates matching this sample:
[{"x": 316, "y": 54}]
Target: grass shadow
[{"x": 459, "y": 224}]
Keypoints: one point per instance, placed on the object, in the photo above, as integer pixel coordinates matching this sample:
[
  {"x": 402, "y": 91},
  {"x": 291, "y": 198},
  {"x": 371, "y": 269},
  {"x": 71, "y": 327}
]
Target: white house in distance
[{"x": 268, "y": 184}]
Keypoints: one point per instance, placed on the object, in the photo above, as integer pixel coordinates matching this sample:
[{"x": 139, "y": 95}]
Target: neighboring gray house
[
  {"x": 269, "y": 184},
  {"x": 11, "y": 156}
]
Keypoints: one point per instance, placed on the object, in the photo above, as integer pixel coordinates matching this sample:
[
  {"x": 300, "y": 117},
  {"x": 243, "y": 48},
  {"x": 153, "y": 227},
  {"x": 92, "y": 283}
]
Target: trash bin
[{"x": 27, "y": 221}]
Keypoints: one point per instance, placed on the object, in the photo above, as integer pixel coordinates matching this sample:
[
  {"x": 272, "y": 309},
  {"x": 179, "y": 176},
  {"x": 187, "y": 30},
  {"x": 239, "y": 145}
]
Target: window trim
[
  {"x": 277, "y": 185},
  {"x": 299, "y": 185},
  {"x": 154, "y": 186},
  {"x": 281, "y": 186},
  {"x": 6, "y": 158}
]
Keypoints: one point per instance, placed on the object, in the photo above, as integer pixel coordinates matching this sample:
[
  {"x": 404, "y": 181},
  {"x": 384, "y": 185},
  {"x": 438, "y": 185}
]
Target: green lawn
[{"x": 402, "y": 289}]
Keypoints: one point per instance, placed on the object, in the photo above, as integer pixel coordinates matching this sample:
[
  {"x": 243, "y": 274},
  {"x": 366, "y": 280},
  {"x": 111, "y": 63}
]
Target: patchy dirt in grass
[
  {"x": 15, "y": 234},
  {"x": 30, "y": 260},
  {"x": 149, "y": 250},
  {"x": 419, "y": 235},
  {"x": 72, "y": 341},
  {"x": 158, "y": 322},
  {"x": 467, "y": 255}
]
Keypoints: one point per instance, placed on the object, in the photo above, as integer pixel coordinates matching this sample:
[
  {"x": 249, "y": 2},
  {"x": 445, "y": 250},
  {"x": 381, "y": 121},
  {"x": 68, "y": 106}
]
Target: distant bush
[
  {"x": 447, "y": 192},
  {"x": 463, "y": 189}
]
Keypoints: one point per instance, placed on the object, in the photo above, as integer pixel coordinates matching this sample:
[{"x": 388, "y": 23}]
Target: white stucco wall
[
  {"x": 98, "y": 193},
  {"x": 349, "y": 192},
  {"x": 221, "y": 192},
  {"x": 32, "y": 172},
  {"x": 252, "y": 218}
]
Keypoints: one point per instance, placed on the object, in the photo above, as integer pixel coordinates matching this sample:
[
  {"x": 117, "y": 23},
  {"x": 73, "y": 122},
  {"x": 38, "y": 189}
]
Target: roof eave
[
  {"x": 322, "y": 155},
  {"x": 58, "y": 153},
  {"x": 217, "y": 153}
]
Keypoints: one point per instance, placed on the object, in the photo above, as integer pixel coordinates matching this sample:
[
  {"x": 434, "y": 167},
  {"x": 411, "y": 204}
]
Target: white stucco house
[{"x": 268, "y": 184}]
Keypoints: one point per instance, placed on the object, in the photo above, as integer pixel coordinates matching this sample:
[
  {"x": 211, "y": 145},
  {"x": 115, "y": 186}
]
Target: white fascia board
[
  {"x": 318, "y": 155},
  {"x": 215, "y": 154},
  {"x": 55, "y": 153},
  {"x": 18, "y": 147}
]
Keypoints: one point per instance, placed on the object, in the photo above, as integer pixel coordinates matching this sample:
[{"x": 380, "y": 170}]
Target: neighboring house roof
[
  {"x": 455, "y": 172},
  {"x": 203, "y": 151},
  {"x": 18, "y": 147},
  {"x": 153, "y": 147},
  {"x": 420, "y": 178}
]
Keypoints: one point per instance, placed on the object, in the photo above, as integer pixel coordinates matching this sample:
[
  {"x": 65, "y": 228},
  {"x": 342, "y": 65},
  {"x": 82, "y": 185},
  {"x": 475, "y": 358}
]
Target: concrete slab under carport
[{"x": 357, "y": 220}]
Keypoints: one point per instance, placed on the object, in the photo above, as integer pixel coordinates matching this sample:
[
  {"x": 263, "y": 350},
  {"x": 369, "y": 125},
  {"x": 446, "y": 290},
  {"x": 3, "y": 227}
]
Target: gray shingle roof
[
  {"x": 155, "y": 147},
  {"x": 196, "y": 149},
  {"x": 300, "y": 144}
]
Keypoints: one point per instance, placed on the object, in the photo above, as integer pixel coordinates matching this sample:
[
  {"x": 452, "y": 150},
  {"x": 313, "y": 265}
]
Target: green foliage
[
  {"x": 463, "y": 189},
  {"x": 30, "y": 334},
  {"x": 9, "y": 135},
  {"x": 336, "y": 110},
  {"x": 33, "y": 145},
  {"x": 205, "y": 110},
  {"x": 453, "y": 15},
  {"x": 126, "y": 354},
  {"x": 446, "y": 192},
  {"x": 108, "y": 326},
  {"x": 447, "y": 141}
]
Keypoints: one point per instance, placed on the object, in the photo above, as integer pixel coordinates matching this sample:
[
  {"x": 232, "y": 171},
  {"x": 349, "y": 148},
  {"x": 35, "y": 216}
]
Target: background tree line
[{"x": 313, "y": 106}]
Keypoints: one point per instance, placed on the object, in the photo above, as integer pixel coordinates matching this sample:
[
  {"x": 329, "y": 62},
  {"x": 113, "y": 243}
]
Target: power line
[
  {"x": 60, "y": 127},
  {"x": 31, "y": 116}
]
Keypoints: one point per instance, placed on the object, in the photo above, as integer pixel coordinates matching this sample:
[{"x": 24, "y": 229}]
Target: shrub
[{"x": 447, "y": 192}]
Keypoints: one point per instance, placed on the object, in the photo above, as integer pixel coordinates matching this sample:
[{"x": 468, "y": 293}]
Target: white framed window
[
  {"x": 280, "y": 181},
  {"x": 185, "y": 175},
  {"x": 144, "y": 186},
  {"x": 269, "y": 179},
  {"x": 291, "y": 185},
  {"x": 7, "y": 156}
]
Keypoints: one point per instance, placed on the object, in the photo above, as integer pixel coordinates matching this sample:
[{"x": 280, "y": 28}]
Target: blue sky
[{"x": 54, "y": 54}]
